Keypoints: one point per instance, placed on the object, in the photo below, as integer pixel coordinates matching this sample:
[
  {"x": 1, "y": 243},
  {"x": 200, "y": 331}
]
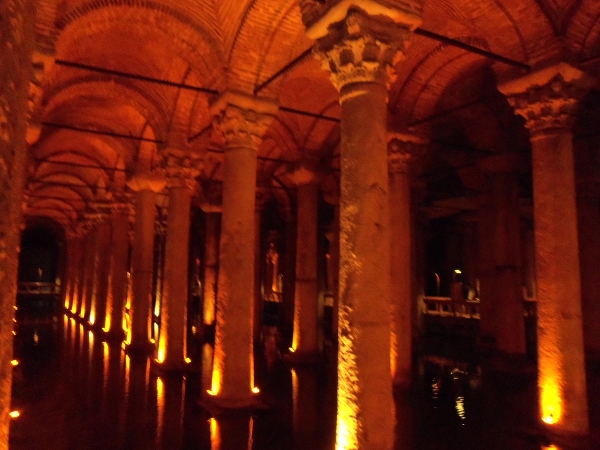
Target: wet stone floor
[{"x": 75, "y": 392}]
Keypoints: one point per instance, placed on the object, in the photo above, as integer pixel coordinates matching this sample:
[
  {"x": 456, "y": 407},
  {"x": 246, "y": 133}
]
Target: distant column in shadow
[{"x": 304, "y": 385}]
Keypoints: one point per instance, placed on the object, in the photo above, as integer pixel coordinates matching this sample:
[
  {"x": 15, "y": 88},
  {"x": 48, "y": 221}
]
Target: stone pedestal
[
  {"x": 243, "y": 121},
  {"x": 142, "y": 258},
  {"x": 400, "y": 252},
  {"x": 360, "y": 50},
  {"x": 118, "y": 279},
  {"x": 171, "y": 352},
  {"x": 548, "y": 100},
  {"x": 305, "y": 344}
]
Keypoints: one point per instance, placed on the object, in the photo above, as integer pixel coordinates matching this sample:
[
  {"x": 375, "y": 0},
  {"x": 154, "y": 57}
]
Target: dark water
[{"x": 76, "y": 392}]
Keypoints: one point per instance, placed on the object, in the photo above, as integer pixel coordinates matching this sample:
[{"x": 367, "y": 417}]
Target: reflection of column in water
[
  {"x": 207, "y": 366},
  {"x": 136, "y": 410},
  {"x": 304, "y": 385},
  {"x": 232, "y": 433},
  {"x": 170, "y": 394},
  {"x": 112, "y": 404}
]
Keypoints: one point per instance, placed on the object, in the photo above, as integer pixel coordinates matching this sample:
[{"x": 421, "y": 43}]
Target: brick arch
[
  {"x": 583, "y": 31},
  {"x": 264, "y": 41},
  {"x": 129, "y": 94},
  {"x": 415, "y": 97},
  {"x": 192, "y": 38}
]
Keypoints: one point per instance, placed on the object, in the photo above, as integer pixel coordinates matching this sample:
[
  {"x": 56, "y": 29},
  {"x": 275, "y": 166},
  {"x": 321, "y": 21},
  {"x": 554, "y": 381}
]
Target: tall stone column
[
  {"x": 119, "y": 268},
  {"x": 17, "y": 40},
  {"x": 260, "y": 200},
  {"x": 506, "y": 254},
  {"x": 360, "y": 47},
  {"x": 142, "y": 257},
  {"x": 548, "y": 100},
  {"x": 102, "y": 263},
  {"x": 172, "y": 353},
  {"x": 399, "y": 155},
  {"x": 89, "y": 270},
  {"x": 75, "y": 252},
  {"x": 211, "y": 205},
  {"x": 243, "y": 120},
  {"x": 305, "y": 343}
]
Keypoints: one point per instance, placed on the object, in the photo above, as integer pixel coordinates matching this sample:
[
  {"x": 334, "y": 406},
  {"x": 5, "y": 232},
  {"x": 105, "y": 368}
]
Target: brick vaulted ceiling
[{"x": 442, "y": 92}]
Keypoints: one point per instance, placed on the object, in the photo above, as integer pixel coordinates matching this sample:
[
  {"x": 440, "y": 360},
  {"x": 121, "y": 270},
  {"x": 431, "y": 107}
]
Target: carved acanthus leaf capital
[
  {"x": 362, "y": 48},
  {"x": 181, "y": 170},
  {"x": 147, "y": 181},
  {"x": 548, "y": 99},
  {"x": 402, "y": 149},
  {"x": 243, "y": 120}
]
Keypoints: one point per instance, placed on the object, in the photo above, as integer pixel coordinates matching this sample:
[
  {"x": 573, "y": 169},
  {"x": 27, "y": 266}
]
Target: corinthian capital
[
  {"x": 243, "y": 119},
  {"x": 363, "y": 42},
  {"x": 549, "y": 98},
  {"x": 402, "y": 148},
  {"x": 181, "y": 169}
]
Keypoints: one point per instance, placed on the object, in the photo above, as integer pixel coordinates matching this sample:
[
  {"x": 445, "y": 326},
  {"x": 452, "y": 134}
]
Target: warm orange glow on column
[
  {"x": 106, "y": 327},
  {"x": 550, "y": 398},
  {"x": 162, "y": 347},
  {"x": 209, "y": 307},
  {"x": 347, "y": 414}
]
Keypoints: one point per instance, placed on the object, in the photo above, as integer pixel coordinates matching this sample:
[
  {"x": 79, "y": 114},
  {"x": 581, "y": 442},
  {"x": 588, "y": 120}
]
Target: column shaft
[
  {"x": 211, "y": 264},
  {"x": 305, "y": 340},
  {"x": 561, "y": 365},
  {"x": 173, "y": 311},
  {"x": 142, "y": 259},
  {"x": 89, "y": 274},
  {"x": 119, "y": 267},
  {"x": 258, "y": 269},
  {"x": 100, "y": 292},
  {"x": 364, "y": 387},
  {"x": 401, "y": 292},
  {"x": 233, "y": 360}
]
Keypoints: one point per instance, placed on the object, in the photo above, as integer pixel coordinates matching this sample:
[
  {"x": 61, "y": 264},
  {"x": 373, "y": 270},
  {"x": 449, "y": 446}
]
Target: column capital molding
[
  {"x": 243, "y": 119},
  {"x": 180, "y": 168},
  {"x": 548, "y": 98},
  {"x": 402, "y": 148},
  {"x": 211, "y": 195},
  {"x": 361, "y": 45}
]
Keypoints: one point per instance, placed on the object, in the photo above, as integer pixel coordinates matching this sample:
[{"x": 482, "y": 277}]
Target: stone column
[
  {"x": 305, "y": 343},
  {"x": 400, "y": 249},
  {"x": 119, "y": 268},
  {"x": 75, "y": 253},
  {"x": 211, "y": 205},
  {"x": 260, "y": 200},
  {"x": 100, "y": 289},
  {"x": 360, "y": 47},
  {"x": 172, "y": 353},
  {"x": 17, "y": 40},
  {"x": 243, "y": 120},
  {"x": 89, "y": 270},
  {"x": 142, "y": 257},
  {"x": 548, "y": 100},
  {"x": 506, "y": 254}
]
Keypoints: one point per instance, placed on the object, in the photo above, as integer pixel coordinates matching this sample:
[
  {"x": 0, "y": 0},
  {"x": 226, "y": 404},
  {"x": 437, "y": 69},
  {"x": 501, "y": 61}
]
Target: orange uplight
[
  {"x": 14, "y": 414},
  {"x": 550, "y": 400},
  {"x": 14, "y": 362},
  {"x": 161, "y": 355},
  {"x": 292, "y": 349},
  {"x": 348, "y": 410},
  {"x": 255, "y": 390},
  {"x": 106, "y": 326},
  {"x": 188, "y": 360}
]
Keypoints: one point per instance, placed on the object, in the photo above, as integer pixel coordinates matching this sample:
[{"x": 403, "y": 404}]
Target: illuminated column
[
  {"x": 100, "y": 289},
  {"x": 548, "y": 100},
  {"x": 171, "y": 352},
  {"x": 17, "y": 40},
  {"x": 243, "y": 120},
  {"x": 119, "y": 268},
  {"x": 260, "y": 200},
  {"x": 360, "y": 50},
  {"x": 75, "y": 253},
  {"x": 509, "y": 324},
  {"x": 399, "y": 154},
  {"x": 305, "y": 344},
  {"x": 142, "y": 257},
  {"x": 83, "y": 230},
  {"x": 89, "y": 273}
]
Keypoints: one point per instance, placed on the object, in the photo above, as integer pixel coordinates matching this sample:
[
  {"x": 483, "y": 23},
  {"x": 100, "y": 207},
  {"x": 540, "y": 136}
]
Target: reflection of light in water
[
  {"x": 127, "y": 374},
  {"x": 294, "y": 387},
  {"x": 435, "y": 391},
  {"x": 250, "y": 433},
  {"x": 14, "y": 362},
  {"x": 550, "y": 447},
  {"x": 106, "y": 359},
  {"x": 14, "y": 414},
  {"x": 160, "y": 406},
  {"x": 460, "y": 408},
  {"x": 36, "y": 337},
  {"x": 215, "y": 434}
]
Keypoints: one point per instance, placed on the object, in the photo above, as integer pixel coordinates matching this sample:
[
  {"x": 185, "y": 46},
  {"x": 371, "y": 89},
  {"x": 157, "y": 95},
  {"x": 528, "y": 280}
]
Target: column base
[
  {"x": 402, "y": 384},
  {"x": 115, "y": 336},
  {"x": 171, "y": 367},
  {"x": 299, "y": 358},
  {"x": 219, "y": 406}
]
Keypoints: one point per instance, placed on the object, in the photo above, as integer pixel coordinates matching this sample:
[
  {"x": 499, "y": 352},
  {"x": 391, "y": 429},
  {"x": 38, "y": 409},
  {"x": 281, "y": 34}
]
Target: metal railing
[{"x": 38, "y": 288}]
